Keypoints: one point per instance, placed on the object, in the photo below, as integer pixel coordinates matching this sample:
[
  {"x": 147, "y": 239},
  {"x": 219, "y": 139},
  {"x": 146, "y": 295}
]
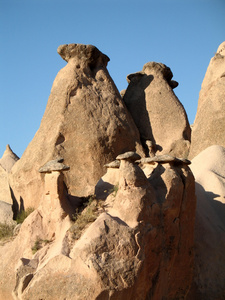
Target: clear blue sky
[{"x": 183, "y": 34}]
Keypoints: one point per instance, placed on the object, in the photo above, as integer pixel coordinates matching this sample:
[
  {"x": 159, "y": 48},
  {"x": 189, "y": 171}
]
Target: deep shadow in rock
[{"x": 15, "y": 205}]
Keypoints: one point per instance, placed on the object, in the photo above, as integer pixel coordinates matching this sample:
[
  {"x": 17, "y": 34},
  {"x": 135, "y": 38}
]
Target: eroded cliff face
[
  {"x": 85, "y": 122},
  {"x": 139, "y": 247}
]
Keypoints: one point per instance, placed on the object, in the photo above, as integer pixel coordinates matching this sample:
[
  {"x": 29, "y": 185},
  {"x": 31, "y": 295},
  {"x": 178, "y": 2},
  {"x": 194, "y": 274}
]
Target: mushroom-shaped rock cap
[
  {"x": 54, "y": 165},
  {"x": 163, "y": 159},
  {"x": 158, "y": 68},
  {"x": 88, "y": 53},
  {"x": 114, "y": 164},
  {"x": 130, "y": 156}
]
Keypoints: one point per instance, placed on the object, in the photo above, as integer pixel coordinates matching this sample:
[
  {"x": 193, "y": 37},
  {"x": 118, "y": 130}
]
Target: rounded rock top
[
  {"x": 88, "y": 53},
  {"x": 130, "y": 156}
]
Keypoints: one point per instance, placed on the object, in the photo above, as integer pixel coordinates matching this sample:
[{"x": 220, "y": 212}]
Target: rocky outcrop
[
  {"x": 208, "y": 168},
  {"x": 85, "y": 122},
  {"x": 7, "y": 161},
  {"x": 209, "y": 124},
  {"x": 157, "y": 112},
  {"x": 139, "y": 247}
]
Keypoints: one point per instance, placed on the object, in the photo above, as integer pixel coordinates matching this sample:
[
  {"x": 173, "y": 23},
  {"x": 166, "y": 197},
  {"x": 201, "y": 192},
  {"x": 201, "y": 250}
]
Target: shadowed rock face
[
  {"x": 158, "y": 114},
  {"x": 85, "y": 122},
  {"x": 208, "y": 168},
  {"x": 209, "y": 124}
]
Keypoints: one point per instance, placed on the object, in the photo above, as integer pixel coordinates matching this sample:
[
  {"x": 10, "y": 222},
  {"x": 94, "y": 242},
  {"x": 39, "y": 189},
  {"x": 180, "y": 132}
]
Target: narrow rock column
[{"x": 55, "y": 206}]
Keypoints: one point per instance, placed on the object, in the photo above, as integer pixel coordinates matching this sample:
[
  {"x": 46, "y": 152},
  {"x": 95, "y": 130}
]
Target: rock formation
[
  {"x": 208, "y": 168},
  {"x": 85, "y": 122},
  {"x": 136, "y": 248},
  {"x": 209, "y": 124},
  {"x": 7, "y": 161},
  {"x": 134, "y": 232},
  {"x": 157, "y": 112}
]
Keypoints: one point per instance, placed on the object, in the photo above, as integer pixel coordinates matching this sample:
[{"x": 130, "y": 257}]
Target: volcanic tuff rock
[
  {"x": 139, "y": 247},
  {"x": 7, "y": 161},
  {"x": 157, "y": 112},
  {"x": 85, "y": 122},
  {"x": 208, "y": 168},
  {"x": 209, "y": 124}
]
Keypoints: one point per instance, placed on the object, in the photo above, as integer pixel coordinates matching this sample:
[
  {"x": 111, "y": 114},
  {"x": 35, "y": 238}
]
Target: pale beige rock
[
  {"x": 45, "y": 227},
  {"x": 6, "y": 213},
  {"x": 5, "y": 194},
  {"x": 85, "y": 122},
  {"x": 209, "y": 124},
  {"x": 8, "y": 159},
  {"x": 209, "y": 274},
  {"x": 140, "y": 247},
  {"x": 157, "y": 112}
]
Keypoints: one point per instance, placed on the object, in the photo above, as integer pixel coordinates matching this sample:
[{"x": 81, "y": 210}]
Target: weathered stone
[
  {"x": 85, "y": 122},
  {"x": 6, "y": 213},
  {"x": 208, "y": 168},
  {"x": 209, "y": 124},
  {"x": 8, "y": 159},
  {"x": 54, "y": 165},
  {"x": 157, "y": 112},
  {"x": 5, "y": 194},
  {"x": 163, "y": 159},
  {"x": 130, "y": 156},
  {"x": 139, "y": 247},
  {"x": 113, "y": 164}
]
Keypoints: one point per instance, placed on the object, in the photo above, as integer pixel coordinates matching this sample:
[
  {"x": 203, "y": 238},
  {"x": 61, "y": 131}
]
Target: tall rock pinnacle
[{"x": 85, "y": 122}]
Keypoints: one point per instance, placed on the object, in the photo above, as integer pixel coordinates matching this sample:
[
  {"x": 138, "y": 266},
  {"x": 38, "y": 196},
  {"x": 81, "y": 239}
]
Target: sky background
[{"x": 183, "y": 34}]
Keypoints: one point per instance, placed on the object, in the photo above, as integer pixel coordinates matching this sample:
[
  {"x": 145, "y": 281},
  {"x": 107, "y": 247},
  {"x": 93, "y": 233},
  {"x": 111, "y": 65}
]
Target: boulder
[
  {"x": 208, "y": 168},
  {"x": 157, "y": 112},
  {"x": 85, "y": 122},
  {"x": 209, "y": 124}
]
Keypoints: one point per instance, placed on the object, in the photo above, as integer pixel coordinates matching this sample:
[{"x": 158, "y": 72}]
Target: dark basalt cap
[
  {"x": 114, "y": 164},
  {"x": 130, "y": 156},
  {"x": 88, "y": 53},
  {"x": 54, "y": 165},
  {"x": 163, "y": 159}
]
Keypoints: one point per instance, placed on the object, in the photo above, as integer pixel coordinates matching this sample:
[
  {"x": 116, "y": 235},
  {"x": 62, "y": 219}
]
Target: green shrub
[
  {"x": 86, "y": 215},
  {"x": 39, "y": 243},
  {"x": 6, "y": 231},
  {"x": 114, "y": 190},
  {"x": 22, "y": 215}
]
